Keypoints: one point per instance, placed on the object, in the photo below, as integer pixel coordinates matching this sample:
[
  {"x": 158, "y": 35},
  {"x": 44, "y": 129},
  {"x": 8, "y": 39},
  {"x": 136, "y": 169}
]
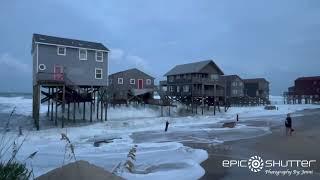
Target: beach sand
[{"x": 303, "y": 145}]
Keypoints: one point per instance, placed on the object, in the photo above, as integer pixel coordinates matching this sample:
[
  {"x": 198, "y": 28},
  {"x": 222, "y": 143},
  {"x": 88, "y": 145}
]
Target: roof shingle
[
  {"x": 191, "y": 68},
  {"x": 68, "y": 42}
]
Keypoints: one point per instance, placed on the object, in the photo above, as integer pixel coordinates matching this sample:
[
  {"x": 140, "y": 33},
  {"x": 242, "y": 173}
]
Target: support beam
[
  {"x": 52, "y": 92},
  {"x": 63, "y": 105},
  {"x": 101, "y": 114},
  {"x": 84, "y": 111},
  {"x": 74, "y": 112},
  {"x": 56, "y": 114},
  {"x": 68, "y": 111},
  {"x": 48, "y": 112}
]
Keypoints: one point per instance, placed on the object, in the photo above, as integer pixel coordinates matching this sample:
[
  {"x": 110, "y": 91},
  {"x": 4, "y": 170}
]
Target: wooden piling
[
  {"x": 101, "y": 112},
  {"x": 63, "y": 105},
  {"x": 74, "y": 112},
  {"x": 68, "y": 111},
  {"x": 48, "y": 112},
  {"x": 84, "y": 111},
  {"x": 56, "y": 114},
  {"x": 106, "y": 111},
  {"x": 52, "y": 91},
  {"x": 90, "y": 111},
  {"x": 97, "y": 112}
]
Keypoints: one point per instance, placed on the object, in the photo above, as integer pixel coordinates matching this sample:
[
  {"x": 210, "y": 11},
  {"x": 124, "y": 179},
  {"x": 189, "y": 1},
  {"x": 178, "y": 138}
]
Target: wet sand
[{"x": 303, "y": 145}]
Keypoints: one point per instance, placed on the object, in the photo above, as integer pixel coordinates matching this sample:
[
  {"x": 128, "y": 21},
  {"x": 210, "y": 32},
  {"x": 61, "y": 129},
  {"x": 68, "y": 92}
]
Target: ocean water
[{"x": 20, "y": 105}]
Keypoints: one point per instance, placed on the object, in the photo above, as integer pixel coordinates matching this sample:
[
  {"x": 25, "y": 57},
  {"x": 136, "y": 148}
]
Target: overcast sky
[{"x": 278, "y": 40}]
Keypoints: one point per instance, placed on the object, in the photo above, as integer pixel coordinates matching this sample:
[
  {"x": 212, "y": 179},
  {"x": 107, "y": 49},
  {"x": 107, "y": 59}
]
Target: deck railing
[{"x": 50, "y": 77}]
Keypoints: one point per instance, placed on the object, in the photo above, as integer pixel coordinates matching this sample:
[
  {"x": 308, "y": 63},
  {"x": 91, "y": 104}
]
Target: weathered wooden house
[
  {"x": 195, "y": 83},
  {"x": 305, "y": 88},
  {"x": 71, "y": 71},
  {"x": 234, "y": 88},
  {"x": 130, "y": 85},
  {"x": 257, "y": 88}
]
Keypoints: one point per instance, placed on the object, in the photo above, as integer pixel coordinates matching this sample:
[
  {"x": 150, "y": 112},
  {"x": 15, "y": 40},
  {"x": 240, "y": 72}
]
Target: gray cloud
[{"x": 275, "y": 39}]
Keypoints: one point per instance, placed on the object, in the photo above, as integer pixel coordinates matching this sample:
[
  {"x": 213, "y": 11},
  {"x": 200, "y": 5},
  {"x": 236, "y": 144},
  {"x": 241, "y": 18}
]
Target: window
[
  {"x": 234, "y": 83},
  {"x": 110, "y": 81},
  {"x": 82, "y": 54},
  {"x": 132, "y": 81},
  {"x": 171, "y": 78},
  {"x": 186, "y": 88},
  {"x": 234, "y": 92},
  {"x": 42, "y": 67},
  {"x": 148, "y": 82},
  {"x": 120, "y": 80},
  {"x": 61, "y": 51},
  {"x": 171, "y": 88},
  {"x": 98, "y": 73},
  {"x": 178, "y": 88},
  {"x": 178, "y": 77},
  {"x": 99, "y": 56},
  {"x": 164, "y": 88}
]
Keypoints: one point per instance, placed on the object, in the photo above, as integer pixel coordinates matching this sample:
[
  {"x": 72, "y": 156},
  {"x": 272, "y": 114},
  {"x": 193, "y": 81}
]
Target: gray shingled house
[
  {"x": 257, "y": 88},
  {"x": 187, "y": 82},
  {"x": 70, "y": 70},
  {"x": 234, "y": 86},
  {"x": 82, "y": 62},
  {"x": 129, "y": 85}
]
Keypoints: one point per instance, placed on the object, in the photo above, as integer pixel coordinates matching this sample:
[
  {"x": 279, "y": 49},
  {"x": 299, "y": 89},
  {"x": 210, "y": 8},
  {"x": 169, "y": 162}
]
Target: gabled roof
[
  {"x": 229, "y": 77},
  {"x": 255, "y": 80},
  {"x": 309, "y": 78},
  {"x": 191, "y": 68},
  {"x": 128, "y": 70},
  {"x": 39, "y": 38}
]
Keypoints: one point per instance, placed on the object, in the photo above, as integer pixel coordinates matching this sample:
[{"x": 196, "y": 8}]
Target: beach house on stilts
[
  {"x": 68, "y": 74},
  {"x": 195, "y": 84}
]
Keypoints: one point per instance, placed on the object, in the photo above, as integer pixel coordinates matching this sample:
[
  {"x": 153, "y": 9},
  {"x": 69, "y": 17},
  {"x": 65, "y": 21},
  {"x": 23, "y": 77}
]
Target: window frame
[
  {"x": 58, "y": 52},
  {"x": 134, "y": 81},
  {"x": 80, "y": 49},
  {"x": 148, "y": 82},
  {"x": 95, "y": 73},
  {"x": 44, "y": 67},
  {"x": 119, "y": 80},
  {"x": 101, "y": 56}
]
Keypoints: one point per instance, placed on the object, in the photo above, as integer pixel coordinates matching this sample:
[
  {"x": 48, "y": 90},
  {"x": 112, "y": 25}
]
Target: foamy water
[{"x": 160, "y": 155}]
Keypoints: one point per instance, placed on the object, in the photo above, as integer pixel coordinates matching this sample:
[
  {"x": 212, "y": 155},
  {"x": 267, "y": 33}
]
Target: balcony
[
  {"x": 197, "y": 80},
  {"x": 50, "y": 77},
  {"x": 197, "y": 93}
]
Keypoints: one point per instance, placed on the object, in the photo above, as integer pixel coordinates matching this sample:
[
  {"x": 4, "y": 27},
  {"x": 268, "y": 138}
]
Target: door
[
  {"x": 58, "y": 73},
  {"x": 140, "y": 83}
]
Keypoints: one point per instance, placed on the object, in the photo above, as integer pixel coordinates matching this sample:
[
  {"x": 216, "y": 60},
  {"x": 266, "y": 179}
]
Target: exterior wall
[
  {"x": 307, "y": 87},
  {"x": 258, "y": 88},
  {"x": 209, "y": 70},
  {"x": 80, "y": 72},
  {"x": 121, "y": 90},
  {"x": 34, "y": 64},
  {"x": 235, "y": 87}
]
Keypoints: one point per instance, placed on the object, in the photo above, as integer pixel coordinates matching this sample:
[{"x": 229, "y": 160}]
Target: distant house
[
  {"x": 194, "y": 80},
  {"x": 258, "y": 87},
  {"x": 234, "y": 86},
  {"x": 125, "y": 85},
  {"x": 57, "y": 59},
  {"x": 309, "y": 86}
]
